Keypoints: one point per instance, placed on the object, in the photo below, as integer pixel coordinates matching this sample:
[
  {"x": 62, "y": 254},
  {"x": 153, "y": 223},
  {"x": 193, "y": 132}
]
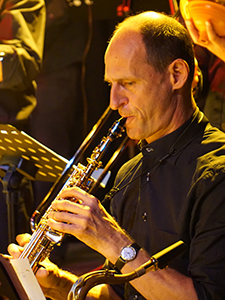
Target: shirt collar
[{"x": 174, "y": 142}]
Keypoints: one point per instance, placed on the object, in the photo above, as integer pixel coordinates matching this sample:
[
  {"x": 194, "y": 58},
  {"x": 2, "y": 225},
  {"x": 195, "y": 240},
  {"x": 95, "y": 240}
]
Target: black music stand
[{"x": 22, "y": 156}]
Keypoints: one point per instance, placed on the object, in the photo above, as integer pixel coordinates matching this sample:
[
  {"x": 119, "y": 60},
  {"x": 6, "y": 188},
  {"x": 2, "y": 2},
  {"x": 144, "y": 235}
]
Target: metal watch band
[{"x": 121, "y": 262}]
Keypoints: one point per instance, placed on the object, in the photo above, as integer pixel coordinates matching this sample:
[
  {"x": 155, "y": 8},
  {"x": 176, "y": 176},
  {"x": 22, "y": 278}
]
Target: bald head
[
  {"x": 164, "y": 39},
  {"x": 136, "y": 23}
]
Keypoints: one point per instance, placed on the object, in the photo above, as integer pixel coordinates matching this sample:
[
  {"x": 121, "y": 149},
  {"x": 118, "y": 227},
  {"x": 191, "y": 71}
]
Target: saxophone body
[{"x": 44, "y": 239}]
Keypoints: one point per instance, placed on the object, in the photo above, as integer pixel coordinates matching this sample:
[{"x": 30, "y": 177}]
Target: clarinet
[{"x": 44, "y": 239}]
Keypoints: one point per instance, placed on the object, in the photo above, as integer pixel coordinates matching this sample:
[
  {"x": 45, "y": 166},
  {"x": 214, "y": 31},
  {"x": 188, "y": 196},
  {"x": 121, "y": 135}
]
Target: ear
[{"x": 179, "y": 71}]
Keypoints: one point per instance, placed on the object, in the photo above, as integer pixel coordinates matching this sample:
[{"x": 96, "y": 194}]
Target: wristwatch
[{"x": 127, "y": 254}]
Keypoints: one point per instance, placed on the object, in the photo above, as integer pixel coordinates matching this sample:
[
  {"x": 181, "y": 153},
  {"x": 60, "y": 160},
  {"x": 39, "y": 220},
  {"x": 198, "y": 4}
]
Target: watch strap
[{"x": 121, "y": 262}]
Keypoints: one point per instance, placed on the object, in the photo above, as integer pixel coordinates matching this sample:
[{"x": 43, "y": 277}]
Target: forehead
[{"x": 125, "y": 51}]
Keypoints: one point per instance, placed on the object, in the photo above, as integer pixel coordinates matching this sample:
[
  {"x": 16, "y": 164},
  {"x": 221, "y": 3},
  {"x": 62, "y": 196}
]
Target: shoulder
[
  {"x": 210, "y": 155},
  {"x": 129, "y": 166},
  {"x": 207, "y": 146}
]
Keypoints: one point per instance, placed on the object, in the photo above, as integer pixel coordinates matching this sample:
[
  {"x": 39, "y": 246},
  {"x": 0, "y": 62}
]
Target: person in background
[
  {"x": 21, "y": 45},
  {"x": 22, "y": 26},
  {"x": 172, "y": 190},
  {"x": 215, "y": 43},
  {"x": 211, "y": 61}
]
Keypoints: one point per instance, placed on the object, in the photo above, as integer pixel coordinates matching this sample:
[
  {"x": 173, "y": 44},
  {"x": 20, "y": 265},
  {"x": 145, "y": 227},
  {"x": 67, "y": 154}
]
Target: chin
[{"x": 133, "y": 135}]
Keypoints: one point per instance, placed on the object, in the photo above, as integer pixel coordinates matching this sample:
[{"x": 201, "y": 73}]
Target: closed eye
[
  {"x": 129, "y": 83},
  {"x": 121, "y": 83}
]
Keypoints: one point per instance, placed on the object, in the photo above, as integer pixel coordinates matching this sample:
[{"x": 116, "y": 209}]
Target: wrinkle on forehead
[{"x": 126, "y": 48}]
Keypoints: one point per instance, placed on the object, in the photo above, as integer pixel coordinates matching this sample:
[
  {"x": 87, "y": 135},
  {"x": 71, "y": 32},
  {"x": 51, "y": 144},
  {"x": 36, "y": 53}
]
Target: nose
[{"x": 117, "y": 96}]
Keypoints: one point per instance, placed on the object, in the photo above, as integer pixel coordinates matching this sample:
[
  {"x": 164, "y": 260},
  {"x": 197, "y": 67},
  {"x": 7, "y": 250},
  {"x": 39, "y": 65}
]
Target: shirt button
[
  {"x": 149, "y": 149},
  {"x": 144, "y": 217},
  {"x": 148, "y": 176}
]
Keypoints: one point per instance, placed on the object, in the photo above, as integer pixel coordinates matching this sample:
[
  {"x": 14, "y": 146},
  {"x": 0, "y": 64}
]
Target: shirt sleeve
[
  {"x": 22, "y": 26},
  {"x": 207, "y": 232}
]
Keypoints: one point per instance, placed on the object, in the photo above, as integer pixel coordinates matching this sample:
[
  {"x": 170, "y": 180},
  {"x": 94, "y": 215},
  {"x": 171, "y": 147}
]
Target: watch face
[{"x": 128, "y": 253}]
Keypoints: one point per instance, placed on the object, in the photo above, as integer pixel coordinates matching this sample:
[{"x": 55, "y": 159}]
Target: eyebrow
[{"x": 121, "y": 79}]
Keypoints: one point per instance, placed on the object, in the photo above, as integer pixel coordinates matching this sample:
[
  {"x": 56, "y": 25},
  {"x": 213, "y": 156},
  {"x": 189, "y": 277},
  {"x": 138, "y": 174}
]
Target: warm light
[
  {"x": 151, "y": 14},
  {"x": 202, "y": 11}
]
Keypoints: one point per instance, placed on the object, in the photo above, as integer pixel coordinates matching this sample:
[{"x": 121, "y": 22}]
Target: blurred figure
[
  {"x": 212, "y": 97},
  {"x": 22, "y": 25},
  {"x": 59, "y": 101},
  {"x": 215, "y": 43},
  {"x": 21, "y": 44},
  {"x": 211, "y": 60}
]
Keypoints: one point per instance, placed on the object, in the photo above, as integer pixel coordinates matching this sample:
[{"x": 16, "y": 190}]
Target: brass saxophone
[
  {"x": 87, "y": 281},
  {"x": 44, "y": 238}
]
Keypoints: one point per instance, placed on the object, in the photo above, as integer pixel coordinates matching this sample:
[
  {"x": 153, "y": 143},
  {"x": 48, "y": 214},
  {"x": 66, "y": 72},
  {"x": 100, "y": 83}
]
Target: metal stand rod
[{"x": 11, "y": 185}]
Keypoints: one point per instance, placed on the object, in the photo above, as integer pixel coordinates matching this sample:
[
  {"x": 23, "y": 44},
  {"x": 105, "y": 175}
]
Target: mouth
[
  {"x": 128, "y": 117},
  {"x": 129, "y": 120}
]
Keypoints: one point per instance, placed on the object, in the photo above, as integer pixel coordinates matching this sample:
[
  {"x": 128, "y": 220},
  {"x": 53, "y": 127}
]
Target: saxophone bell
[{"x": 160, "y": 260}]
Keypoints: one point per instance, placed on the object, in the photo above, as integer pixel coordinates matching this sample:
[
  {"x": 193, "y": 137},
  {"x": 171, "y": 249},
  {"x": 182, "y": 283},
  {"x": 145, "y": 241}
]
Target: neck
[{"x": 183, "y": 110}]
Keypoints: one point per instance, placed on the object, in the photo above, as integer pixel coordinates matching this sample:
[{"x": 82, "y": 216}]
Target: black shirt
[{"x": 174, "y": 190}]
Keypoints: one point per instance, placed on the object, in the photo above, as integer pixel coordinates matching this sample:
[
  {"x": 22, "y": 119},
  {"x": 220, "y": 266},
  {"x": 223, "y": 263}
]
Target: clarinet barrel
[{"x": 44, "y": 238}]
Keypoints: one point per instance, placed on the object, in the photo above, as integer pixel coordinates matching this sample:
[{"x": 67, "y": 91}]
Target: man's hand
[
  {"x": 88, "y": 221},
  {"x": 15, "y": 250},
  {"x": 54, "y": 282},
  {"x": 214, "y": 43},
  {"x": 46, "y": 269}
]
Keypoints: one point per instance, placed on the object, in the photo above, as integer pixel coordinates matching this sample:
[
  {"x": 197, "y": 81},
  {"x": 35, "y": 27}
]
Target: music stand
[
  {"x": 22, "y": 156},
  {"x": 17, "y": 280}
]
